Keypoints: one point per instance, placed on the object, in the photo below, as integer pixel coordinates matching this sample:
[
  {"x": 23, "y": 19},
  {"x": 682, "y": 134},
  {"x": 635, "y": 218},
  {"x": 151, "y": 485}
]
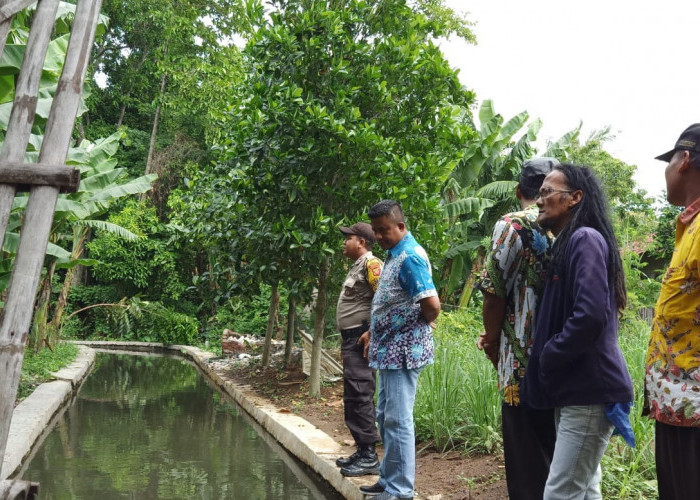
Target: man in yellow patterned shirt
[{"x": 673, "y": 357}]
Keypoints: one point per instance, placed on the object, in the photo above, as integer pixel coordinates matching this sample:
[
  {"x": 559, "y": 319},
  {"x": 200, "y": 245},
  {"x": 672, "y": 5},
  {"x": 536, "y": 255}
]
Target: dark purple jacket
[{"x": 576, "y": 358}]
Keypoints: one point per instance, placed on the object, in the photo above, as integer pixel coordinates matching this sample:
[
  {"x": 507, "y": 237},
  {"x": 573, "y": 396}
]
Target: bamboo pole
[
  {"x": 17, "y": 314},
  {"x": 19, "y": 127}
]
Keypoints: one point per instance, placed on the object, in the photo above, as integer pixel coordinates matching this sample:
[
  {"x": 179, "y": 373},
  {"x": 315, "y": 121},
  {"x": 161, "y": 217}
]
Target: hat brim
[
  {"x": 666, "y": 156},
  {"x": 345, "y": 230}
]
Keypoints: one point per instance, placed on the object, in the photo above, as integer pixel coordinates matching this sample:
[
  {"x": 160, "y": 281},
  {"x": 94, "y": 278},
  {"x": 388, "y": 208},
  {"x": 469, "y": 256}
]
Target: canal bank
[{"x": 309, "y": 444}]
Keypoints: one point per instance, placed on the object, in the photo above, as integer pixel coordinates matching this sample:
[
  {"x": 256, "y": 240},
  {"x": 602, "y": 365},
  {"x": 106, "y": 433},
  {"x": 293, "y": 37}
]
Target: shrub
[
  {"x": 147, "y": 266},
  {"x": 160, "y": 324}
]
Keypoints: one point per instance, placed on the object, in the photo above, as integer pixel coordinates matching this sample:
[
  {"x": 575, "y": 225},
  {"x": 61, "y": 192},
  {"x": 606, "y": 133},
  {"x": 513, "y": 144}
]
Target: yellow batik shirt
[{"x": 673, "y": 357}]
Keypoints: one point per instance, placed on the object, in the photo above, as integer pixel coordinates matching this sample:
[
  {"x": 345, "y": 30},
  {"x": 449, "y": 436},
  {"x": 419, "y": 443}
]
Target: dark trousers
[
  {"x": 528, "y": 445},
  {"x": 678, "y": 462},
  {"x": 358, "y": 393}
]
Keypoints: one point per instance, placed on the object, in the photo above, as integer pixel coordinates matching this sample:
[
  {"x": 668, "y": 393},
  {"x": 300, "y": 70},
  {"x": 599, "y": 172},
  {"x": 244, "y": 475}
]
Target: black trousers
[
  {"x": 678, "y": 462},
  {"x": 528, "y": 445},
  {"x": 358, "y": 393}
]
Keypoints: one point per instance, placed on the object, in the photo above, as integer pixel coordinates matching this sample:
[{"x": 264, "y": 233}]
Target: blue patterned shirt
[{"x": 401, "y": 338}]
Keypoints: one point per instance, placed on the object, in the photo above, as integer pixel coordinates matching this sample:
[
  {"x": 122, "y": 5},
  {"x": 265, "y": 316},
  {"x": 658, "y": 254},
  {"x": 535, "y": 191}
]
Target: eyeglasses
[{"x": 547, "y": 192}]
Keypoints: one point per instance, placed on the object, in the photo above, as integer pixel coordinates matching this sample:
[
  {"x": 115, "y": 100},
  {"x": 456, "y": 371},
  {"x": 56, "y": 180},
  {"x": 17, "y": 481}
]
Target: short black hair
[
  {"x": 531, "y": 192},
  {"x": 387, "y": 207}
]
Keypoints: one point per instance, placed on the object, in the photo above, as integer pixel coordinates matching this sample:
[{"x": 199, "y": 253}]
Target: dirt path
[{"x": 452, "y": 475}]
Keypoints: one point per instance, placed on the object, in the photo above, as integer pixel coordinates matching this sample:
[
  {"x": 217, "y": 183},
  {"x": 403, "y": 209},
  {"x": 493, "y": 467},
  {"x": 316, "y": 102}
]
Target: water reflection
[{"x": 151, "y": 427}]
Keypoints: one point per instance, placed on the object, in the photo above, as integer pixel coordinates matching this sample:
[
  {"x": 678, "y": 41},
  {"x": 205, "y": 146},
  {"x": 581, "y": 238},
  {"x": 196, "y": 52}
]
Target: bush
[
  {"x": 160, "y": 324},
  {"x": 147, "y": 266},
  {"x": 92, "y": 322},
  {"x": 250, "y": 315}
]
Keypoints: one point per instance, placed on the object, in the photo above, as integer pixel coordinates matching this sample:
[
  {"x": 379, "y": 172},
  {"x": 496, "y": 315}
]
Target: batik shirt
[
  {"x": 514, "y": 271},
  {"x": 673, "y": 357},
  {"x": 400, "y": 336}
]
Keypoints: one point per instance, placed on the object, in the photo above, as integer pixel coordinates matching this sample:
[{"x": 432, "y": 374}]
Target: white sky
[{"x": 631, "y": 65}]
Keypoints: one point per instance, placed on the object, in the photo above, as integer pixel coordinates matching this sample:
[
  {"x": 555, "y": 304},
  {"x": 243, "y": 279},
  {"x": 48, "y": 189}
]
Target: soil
[{"x": 452, "y": 475}]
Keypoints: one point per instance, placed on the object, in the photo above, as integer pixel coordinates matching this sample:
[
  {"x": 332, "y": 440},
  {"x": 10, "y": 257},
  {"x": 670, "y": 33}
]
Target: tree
[{"x": 343, "y": 104}]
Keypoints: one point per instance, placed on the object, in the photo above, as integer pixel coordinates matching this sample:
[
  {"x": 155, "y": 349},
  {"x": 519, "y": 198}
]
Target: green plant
[
  {"x": 38, "y": 366},
  {"x": 160, "y": 324},
  {"x": 631, "y": 472},
  {"x": 147, "y": 265},
  {"x": 457, "y": 402}
]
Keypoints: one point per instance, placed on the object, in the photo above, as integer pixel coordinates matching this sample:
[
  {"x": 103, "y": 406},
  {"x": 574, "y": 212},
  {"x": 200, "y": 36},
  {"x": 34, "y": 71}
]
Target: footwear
[
  {"x": 367, "y": 463},
  {"x": 374, "y": 489},
  {"x": 345, "y": 461},
  {"x": 388, "y": 496}
]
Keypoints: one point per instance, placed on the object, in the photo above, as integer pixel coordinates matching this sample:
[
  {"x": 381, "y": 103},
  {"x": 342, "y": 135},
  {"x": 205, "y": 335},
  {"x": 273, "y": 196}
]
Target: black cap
[
  {"x": 535, "y": 170},
  {"x": 361, "y": 229},
  {"x": 689, "y": 141}
]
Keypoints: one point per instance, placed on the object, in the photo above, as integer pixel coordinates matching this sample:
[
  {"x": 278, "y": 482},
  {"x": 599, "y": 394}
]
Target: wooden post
[
  {"x": 18, "y": 490},
  {"x": 17, "y": 315}
]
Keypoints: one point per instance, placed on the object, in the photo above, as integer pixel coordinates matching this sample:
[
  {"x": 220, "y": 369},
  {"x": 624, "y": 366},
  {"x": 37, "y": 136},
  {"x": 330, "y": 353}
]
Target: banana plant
[
  {"x": 482, "y": 184},
  {"x": 102, "y": 183}
]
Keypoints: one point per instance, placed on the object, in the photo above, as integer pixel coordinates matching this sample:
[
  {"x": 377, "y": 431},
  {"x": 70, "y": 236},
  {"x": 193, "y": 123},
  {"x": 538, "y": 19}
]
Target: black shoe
[
  {"x": 374, "y": 489},
  {"x": 359, "y": 468},
  {"x": 367, "y": 463},
  {"x": 345, "y": 461}
]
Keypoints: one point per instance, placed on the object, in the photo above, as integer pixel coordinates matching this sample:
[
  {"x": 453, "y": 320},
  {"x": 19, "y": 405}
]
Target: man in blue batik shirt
[{"x": 401, "y": 344}]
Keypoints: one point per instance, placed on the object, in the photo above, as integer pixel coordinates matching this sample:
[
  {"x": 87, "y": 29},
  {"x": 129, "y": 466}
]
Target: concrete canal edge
[
  {"x": 32, "y": 417},
  {"x": 309, "y": 444}
]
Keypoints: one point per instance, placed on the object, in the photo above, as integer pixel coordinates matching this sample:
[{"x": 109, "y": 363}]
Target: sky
[{"x": 632, "y": 65}]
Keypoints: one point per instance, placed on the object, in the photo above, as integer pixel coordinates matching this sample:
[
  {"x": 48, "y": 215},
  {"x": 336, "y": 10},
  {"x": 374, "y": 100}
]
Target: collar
[
  {"x": 401, "y": 245},
  {"x": 690, "y": 212}
]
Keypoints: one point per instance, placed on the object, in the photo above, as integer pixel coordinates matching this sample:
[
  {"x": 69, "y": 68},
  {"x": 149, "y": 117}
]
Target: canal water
[{"x": 151, "y": 427}]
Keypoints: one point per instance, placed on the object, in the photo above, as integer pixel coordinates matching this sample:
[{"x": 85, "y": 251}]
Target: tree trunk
[
  {"x": 156, "y": 118},
  {"x": 319, "y": 326},
  {"x": 79, "y": 238},
  {"x": 122, "y": 112},
  {"x": 469, "y": 285},
  {"x": 271, "y": 319},
  {"x": 290, "y": 331}
]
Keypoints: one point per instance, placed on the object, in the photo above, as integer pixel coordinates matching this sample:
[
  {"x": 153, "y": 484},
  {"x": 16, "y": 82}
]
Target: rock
[{"x": 231, "y": 346}]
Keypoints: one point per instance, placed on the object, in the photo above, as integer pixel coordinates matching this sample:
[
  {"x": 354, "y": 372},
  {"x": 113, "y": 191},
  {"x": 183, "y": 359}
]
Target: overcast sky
[{"x": 631, "y": 65}]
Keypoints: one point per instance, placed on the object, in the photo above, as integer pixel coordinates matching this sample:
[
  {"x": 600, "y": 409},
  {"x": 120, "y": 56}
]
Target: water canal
[{"x": 151, "y": 427}]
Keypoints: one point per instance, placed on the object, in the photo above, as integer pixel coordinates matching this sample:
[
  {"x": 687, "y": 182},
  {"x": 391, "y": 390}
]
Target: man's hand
[
  {"x": 489, "y": 348},
  {"x": 364, "y": 341},
  {"x": 430, "y": 308}
]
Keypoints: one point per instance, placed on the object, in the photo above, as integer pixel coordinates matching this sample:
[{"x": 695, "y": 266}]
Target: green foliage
[
  {"x": 457, "y": 401},
  {"x": 665, "y": 234},
  {"x": 147, "y": 266},
  {"x": 161, "y": 324},
  {"x": 630, "y": 473},
  {"x": 38, "y": 366},
  {"x": 481, "y": 188},
  {"x": 343, "y": 104},
  {"x": 99, "y": 312}
]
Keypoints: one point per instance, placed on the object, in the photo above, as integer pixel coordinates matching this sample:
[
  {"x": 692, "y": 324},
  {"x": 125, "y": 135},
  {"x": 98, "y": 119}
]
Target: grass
[
  {"x": 37, "y": 367},
  {"x": 458, "y": 405},
  {"x": 457, "y": 402}
]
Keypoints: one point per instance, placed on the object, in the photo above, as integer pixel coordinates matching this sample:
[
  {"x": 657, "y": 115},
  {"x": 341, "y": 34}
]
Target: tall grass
[
  {"x": 630, "y": 473},
  {"x": 457, "y": 402}
]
